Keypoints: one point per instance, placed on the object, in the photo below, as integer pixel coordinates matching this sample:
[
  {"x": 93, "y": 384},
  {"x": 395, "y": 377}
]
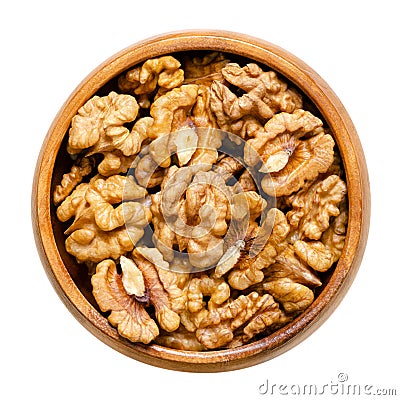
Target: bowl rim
[{"x": 344, "y": 132}]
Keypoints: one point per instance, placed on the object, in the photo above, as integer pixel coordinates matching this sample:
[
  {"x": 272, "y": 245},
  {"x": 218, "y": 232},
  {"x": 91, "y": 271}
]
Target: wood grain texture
[{"x": 63, "y": 272}]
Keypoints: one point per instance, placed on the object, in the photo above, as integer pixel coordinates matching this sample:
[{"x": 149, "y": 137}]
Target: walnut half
[{"x": 127, "y": 314}]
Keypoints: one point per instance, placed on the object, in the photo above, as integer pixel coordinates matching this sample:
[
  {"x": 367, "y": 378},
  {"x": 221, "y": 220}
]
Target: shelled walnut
[
  {"x": 100, "y": 231},
  {"x": 206, "y": 200}
]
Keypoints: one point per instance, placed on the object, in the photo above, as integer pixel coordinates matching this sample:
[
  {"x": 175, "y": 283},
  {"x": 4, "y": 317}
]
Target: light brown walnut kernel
[
  {"x": 334, "y": 237},
  {"x": 164, "y": 237},
  {"x": 265, "y": 95},
  {"x": 99, "y": 230},
  {"x": 118, "y": 187},
  {"x": 217, "y": 328},
  {"x": 191, "y": 321},
  {"x": 246, "y": 208},
  {"x": 89, "y": 243},
  {"x": 202, "y": 115},
  {"x": 99, "y": 127},
  {"x": 208, "y": 189},
  {"x": 173, "y": 189},
  {"x": 172, "y": 281},
  {"x": 249, "y": 270},
  {"x": 73, "y": 178},
  {"x": 163, "y": 111},
  {"x": 293, "y": 149},
  {"x": 206, "y": 154},
  {"x": 265, "y": 90},
  {"x": 183, "y": 143},
  {"x": 180, "y": 340},
  {"x": 206, "y": 210},
  {"x": 269, "y": 315},
  {"x": 224, "y": 104},
  {"x": 284, "y": 319},
  {"x": 227, "y": 167},
  {"x": 293, "y": 296},
  {"x": 216, "y": 289},
  {"x": 204, "y": 249},
  {"x": 163, "y": 71},
  {"x": 160, "y": 291},
  {"x": 191, "y": 211},
  {"x": 132, "y": 277},
  {"x": 298, "y": 124},
  {"x": 266, "y": 322},
  {"x": 128, "y": 142},
  {"x": 100, "y": 118},
  {"x": 310, "y": 158},
  {"x": 147, "y": 172},
  {"x": 314, "y": 205},
  {"x": 315, "y": 254},
  {"x": 75, "y": 203},
  {"x": 202, "y": 67},
  {"x": 288, "y": 265},
  {"x": 114, "y": 162},
  {"x": 320, "y": 255},
  {"x": 129, "y": 316},
  {"x": 129, "y": 81},
  {"x": 245, "y": 183}
]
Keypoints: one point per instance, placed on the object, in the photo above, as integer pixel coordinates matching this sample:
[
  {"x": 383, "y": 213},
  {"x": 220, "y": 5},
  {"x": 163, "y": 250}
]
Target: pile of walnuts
[{"x": 204, "y": 200}]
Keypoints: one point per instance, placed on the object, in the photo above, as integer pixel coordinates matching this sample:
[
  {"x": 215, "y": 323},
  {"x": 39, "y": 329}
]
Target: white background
[{"x": 49, "y": 47}]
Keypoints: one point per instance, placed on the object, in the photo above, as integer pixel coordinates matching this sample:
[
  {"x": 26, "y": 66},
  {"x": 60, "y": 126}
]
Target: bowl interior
[
  {"x": 64, "y": 162},
  {"x": 318, "y": 99}
]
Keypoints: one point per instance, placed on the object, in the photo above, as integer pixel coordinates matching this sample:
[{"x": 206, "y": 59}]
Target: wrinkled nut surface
[
  {"x": 127, "y": 314},
  {"x": 101, "y": 119},
  {"x": 162, "y": 71},
  {"x": 100, "y": 228},
  {"x": 246, "y": 208}
]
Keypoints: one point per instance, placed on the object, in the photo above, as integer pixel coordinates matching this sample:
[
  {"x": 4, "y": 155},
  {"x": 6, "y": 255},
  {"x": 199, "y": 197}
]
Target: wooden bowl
[{"x": 72, "y": 283}]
